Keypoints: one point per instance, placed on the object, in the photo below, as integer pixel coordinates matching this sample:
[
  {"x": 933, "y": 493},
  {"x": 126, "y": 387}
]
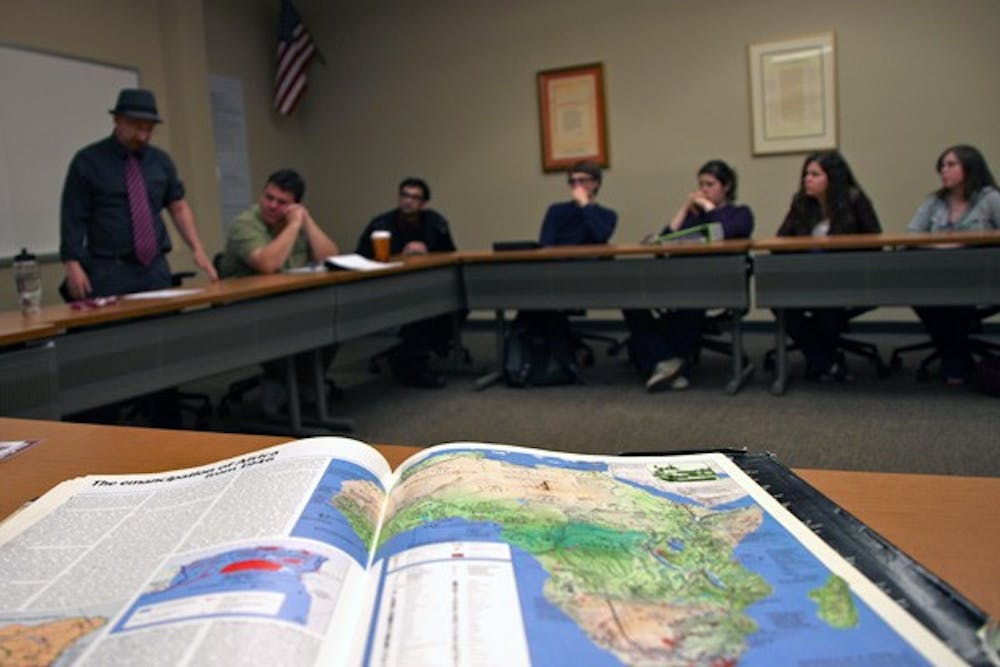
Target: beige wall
[{"x": 445, "y": 89}]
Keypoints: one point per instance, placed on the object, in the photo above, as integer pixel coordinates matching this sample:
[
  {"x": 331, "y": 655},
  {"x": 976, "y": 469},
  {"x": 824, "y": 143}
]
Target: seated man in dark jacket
[{"x": 415, "y": 230}]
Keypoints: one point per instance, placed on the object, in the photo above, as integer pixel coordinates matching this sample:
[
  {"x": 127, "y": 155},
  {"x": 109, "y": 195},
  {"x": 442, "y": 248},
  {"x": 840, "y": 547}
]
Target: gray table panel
[
  {"x": 875, "y": 278},
  {"x": 28, "y": 382},
  {"x": 106, "y": 364},
  {"x": 713, "y": 281},
  {"x": 367, "y": 306}
]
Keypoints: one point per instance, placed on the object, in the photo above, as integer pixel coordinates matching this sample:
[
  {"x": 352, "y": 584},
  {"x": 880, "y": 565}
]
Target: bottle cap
[{"x": 24, "y": 256}]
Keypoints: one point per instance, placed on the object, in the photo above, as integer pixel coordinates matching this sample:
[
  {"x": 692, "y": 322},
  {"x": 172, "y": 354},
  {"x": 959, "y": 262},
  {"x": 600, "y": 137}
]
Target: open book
[{"x": 315, "y": 552}]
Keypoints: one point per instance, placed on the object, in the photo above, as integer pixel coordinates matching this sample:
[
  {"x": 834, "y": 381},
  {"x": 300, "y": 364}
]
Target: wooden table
[{"x": 946, "y": 523}]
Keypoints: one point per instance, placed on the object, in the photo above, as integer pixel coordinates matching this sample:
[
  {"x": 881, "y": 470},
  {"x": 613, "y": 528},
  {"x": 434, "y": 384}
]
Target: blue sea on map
[
  {"x": 322, "y": 521},
  {"x": 553, "y": 637},
  {"x": 249, "y": 569},
  {"x": 790, "y": 629},
  {"x": 532, "y": 461}
]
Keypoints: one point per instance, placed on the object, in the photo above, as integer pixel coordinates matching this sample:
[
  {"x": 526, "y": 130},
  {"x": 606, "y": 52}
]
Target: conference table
[
  {"x": 870, "y": 270},
  {"x": 138, "y": 345},
  {"x": 71, "y": 358},
  {"x": 681, "y": 275},
  {"x": 946, "y": 523}
]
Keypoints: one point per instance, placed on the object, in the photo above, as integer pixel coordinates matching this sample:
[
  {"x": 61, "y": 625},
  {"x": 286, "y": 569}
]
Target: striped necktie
[{"x": 143, "y": 235}]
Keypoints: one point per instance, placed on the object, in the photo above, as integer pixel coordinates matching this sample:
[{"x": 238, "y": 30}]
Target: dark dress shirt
[
  {"x": 95, "y": 218},
  {"x": 431, "y": 229},
  {"x": 567, "y": 223}
]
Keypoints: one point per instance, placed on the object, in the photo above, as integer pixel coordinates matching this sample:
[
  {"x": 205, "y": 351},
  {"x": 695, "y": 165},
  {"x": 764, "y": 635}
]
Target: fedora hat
[{"x": 136, "y": 103}]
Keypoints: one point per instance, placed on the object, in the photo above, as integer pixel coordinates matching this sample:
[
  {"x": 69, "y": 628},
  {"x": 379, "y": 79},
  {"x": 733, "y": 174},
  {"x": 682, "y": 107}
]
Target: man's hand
[
  {"x": 581, "y": 196},
  {"x": 205, "y": 264},
  {"x": 415, "y": 248},
  {"x": 77, "y": 282},
  {"x": 296, "y": 216}
]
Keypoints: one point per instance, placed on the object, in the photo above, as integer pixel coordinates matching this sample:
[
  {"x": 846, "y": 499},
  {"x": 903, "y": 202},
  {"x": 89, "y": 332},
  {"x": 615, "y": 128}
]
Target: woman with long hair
[
  {"x": 967, "y": 200},
  {"x": 661, "y": 347},
  {"x": 829, "y": 201}
]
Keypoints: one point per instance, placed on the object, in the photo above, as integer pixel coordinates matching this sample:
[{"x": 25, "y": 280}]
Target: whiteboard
[{"x": 51, "y": 107}]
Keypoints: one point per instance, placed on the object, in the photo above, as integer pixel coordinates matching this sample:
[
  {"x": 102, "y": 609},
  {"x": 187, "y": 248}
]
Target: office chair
[
  {"x": 865, "y": 350},
  {"x": 714, "y": 335},
  {"x": 581, "y": 338},
  {"x": 978, "y": 346},
  {"x": 454, "y": 349}
]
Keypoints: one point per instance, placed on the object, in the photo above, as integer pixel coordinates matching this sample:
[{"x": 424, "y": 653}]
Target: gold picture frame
[
  {"x": 572, "y": 116},
  {"x": 793, "y": 94}
]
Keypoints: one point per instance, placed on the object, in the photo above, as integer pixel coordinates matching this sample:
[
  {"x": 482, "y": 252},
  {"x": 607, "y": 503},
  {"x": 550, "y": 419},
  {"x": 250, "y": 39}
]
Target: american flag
[{"x": 295, "y": 52}]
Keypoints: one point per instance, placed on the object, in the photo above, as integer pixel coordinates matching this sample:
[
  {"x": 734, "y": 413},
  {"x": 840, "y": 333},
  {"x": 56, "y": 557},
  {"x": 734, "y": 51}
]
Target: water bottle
[{"x": 28, "y": 277}]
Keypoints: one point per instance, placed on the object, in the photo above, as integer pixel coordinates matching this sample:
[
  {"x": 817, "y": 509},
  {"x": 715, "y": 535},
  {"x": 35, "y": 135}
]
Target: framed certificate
[
  {"x": 572, "y": 116},
  {"x": 793, "y": 95}
]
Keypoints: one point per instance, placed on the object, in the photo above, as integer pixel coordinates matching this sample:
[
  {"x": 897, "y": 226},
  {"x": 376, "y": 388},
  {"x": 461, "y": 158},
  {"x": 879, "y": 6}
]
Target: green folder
[{"x": 705, "y": 233}]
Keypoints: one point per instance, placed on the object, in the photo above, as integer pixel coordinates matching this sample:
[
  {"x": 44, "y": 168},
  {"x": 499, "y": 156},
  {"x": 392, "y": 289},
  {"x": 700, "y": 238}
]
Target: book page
[
  {"x": 250, "y": 561},
  {"x": 493, "y": 555}
]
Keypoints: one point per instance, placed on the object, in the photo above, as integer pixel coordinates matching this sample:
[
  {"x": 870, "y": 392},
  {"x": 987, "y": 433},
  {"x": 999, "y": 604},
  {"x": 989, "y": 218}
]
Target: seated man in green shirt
[{"x": 277, "y": 234}]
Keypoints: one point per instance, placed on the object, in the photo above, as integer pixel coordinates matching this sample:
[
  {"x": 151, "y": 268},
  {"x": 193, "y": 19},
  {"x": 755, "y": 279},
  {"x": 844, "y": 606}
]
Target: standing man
[
  {"x": 276, "y": 234},
  {"x": 416, "y": 230},
  {"x": 580, "y": 221},
  {"x": 113, "y": 240}
]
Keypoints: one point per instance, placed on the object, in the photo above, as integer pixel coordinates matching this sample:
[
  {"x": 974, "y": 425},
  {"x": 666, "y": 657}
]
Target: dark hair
[
  {"x": 589, "y": 168},
  {"x": 722, "y": 173},
  {"x": 976, "y": 175},
  {"x": 412, "y": 182},
  {"x": 289, "y": 181},
  {"x": 841, "y": 191}
]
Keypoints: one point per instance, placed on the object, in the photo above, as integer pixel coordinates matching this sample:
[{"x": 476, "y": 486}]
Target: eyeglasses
[
  {"x": 411, "y": 195},
  {"x": 579, "y": 180}
]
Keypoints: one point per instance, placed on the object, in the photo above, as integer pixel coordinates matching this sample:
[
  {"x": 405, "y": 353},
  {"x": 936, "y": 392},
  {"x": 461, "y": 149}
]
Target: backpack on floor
[{"x": 539, "y": 351}]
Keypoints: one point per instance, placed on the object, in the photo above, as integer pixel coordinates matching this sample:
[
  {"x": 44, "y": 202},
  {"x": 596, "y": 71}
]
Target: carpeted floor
[{"x": 893, "y": 424}]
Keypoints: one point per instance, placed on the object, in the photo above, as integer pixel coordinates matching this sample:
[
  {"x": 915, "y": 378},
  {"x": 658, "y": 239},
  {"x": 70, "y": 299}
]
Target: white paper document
[
  {"x": 162, "y": 293},
  {"x": 355, "y": 262}
]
